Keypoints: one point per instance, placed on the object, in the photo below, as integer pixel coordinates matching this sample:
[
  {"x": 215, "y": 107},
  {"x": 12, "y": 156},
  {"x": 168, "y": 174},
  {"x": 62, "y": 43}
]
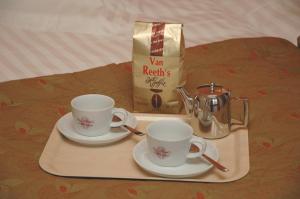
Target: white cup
[
  {"x": 169, "y": 142},
  {"x": 92, "y": 114}
]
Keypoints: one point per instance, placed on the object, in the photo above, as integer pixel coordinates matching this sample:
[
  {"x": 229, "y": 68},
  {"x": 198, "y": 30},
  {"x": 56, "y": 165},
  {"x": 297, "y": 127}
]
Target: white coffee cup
[
  {"x": 169, "y": 142},
  {"x": 92, "y": 114}
]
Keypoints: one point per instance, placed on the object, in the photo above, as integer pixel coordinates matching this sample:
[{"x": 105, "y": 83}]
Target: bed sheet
[{"x": 40, "y": 38}]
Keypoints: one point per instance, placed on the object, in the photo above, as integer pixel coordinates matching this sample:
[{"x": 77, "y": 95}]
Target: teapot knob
[{"x": 212, "y": 87}]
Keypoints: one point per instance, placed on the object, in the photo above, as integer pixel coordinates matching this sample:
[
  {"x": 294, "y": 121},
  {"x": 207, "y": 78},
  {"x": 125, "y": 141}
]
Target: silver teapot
[{"x": 210, "y": 110}]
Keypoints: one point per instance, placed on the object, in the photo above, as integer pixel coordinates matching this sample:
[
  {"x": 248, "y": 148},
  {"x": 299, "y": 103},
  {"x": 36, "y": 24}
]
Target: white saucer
[
  {"x": 65, "y": 127},
  {"x": 192, "y": 167}
]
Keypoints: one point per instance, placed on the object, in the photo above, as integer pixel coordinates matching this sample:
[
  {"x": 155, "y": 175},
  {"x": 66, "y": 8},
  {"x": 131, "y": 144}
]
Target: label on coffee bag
[{"x": 158, "y": 50}]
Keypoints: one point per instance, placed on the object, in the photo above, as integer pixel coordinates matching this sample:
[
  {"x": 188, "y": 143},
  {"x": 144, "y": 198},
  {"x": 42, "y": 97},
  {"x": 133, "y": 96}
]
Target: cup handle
[
  {"x": 121, "y": 113},
  {"x": 201, "y": 144}
]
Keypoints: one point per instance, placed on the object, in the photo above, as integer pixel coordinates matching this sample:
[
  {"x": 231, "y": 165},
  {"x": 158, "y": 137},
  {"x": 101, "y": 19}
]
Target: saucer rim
[
  {"x": 139, "y": 162},
  {"x": 91, "y": 140}
]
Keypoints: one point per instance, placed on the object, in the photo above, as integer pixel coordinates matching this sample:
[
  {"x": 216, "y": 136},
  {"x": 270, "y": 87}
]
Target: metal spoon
[
  {"x": 194, "y": 149},
  {"x": 132, "y": 130}
]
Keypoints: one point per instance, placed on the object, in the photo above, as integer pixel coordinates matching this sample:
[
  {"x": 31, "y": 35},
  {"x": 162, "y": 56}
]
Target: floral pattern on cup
[
  {"x": 161, "y": 152},
  {"x": 85, "y": 122}
]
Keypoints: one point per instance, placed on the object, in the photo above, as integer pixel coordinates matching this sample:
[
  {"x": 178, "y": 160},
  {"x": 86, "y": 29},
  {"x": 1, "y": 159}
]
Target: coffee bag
[{"x": 158, "y": 54}]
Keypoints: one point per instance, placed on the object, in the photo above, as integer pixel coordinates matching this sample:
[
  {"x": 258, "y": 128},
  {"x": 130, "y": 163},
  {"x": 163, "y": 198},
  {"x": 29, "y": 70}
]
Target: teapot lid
[
  {"x": 216, "y": 96},
  {"x": 211, "y": 90}
]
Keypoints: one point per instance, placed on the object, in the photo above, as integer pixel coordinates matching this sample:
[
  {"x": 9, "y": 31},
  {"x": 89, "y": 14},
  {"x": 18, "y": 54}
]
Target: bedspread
[{"x": 266, "y": 70}]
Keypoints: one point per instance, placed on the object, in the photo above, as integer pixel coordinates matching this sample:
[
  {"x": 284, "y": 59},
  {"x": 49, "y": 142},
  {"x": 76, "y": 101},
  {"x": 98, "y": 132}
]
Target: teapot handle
[{"x": 246, "y": 109}]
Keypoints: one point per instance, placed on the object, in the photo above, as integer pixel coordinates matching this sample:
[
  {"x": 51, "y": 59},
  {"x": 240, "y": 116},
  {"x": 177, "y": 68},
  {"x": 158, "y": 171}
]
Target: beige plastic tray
[{"x": 63, "y": 157}]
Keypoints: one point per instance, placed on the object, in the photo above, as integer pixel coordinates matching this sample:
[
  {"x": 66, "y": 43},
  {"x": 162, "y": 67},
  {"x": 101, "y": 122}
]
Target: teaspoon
[{"x": 195, "y": 149}]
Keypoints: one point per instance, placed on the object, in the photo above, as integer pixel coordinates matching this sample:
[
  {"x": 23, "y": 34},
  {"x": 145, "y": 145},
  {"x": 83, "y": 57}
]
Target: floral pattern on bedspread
[{"x": 266, "y": 70}]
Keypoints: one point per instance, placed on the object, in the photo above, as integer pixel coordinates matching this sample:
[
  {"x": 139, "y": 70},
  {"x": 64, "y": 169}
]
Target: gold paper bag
[{"x": 158, "y": 54}]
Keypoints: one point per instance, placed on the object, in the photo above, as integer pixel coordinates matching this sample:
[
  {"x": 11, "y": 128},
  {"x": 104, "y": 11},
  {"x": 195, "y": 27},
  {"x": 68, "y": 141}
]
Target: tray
[{"x": 63, "y": 157}]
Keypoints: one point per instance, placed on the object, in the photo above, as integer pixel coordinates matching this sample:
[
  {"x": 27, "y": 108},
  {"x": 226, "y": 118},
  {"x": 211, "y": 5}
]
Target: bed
[
  {"x": 40, "y": 38},
  {"x": 52, "y": 51}
]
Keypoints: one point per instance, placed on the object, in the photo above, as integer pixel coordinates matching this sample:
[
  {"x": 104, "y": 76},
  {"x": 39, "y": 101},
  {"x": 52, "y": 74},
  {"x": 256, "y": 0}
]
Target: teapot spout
[{"x": 186, "y": 98}]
